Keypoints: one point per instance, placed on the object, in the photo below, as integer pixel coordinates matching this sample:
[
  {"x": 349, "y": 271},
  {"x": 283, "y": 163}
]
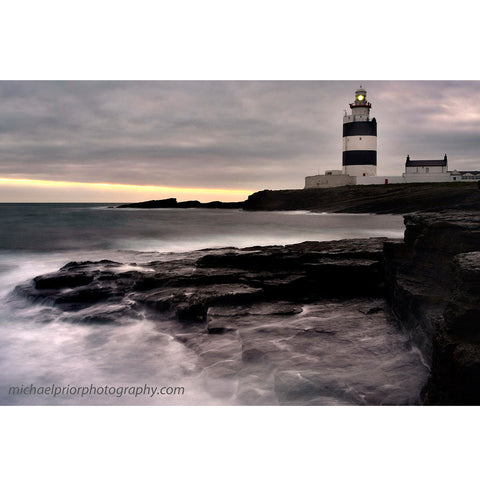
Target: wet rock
[
  {"x": 191, "y": 312},
  {"x": 462, "y": 314},
  {"x": 277, "y": 308},
  {"x": 296, "y": 386},
  {"x": 62, "y": 279},
  {"x": 374, "y": 309},
  {"x": 227, "y": 277},
  {"x": 105, "y": 314},
  {"x": 222, "y": 319},
  {"x": 261, "y": 349},
  {"x": 248, "y": 395}
]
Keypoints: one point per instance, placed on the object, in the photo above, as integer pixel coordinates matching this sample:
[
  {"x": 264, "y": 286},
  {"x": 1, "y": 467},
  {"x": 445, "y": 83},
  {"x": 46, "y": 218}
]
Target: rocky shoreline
[
  {"x": 379, "y": 199},
  {"x": 270, "y": 309}
]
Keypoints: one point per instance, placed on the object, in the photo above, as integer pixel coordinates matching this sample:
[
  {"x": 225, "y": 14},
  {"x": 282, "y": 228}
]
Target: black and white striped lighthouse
[{"x": 359, "y": 138}]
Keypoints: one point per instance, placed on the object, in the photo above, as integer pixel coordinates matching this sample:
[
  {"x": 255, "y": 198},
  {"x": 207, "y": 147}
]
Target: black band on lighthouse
[
  {"x": 351, "y": 129},
  {"x": 359, "y": 157}
]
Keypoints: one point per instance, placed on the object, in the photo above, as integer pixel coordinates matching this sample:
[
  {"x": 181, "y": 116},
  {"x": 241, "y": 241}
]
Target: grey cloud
[{"x": 249, "y": 135}]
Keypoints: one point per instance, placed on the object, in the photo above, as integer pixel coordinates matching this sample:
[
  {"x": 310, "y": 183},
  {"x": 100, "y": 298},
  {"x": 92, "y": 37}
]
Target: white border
[{"x": 239, "y": 40}]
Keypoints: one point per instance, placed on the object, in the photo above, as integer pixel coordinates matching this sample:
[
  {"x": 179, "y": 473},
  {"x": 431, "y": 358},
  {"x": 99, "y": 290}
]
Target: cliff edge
[{"x": 433, "y": 286}]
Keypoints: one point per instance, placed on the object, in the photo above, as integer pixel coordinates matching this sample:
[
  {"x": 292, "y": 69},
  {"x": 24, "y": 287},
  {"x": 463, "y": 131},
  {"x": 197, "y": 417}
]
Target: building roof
[{"x": 426, "y": 163}]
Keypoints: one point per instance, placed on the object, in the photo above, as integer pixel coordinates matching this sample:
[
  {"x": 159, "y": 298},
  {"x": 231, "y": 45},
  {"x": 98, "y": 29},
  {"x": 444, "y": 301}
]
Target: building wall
[
  {"x": 380, "y": 180},
  {"x": 328, "y": 181},
  {"x": 425, "y": 170},
  {"x": 427, "y": 177},
  {"x": 467, "y": 178}
]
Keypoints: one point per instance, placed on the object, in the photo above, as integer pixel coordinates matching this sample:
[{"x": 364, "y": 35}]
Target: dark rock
[
  {"x": 462, "y": 314},
  {"x": 88, "y": 265},
  {"x": 192, "y": 312},
  {"x": 172, "y": 203},
  {"x": 185, "y": 289},
  {"x": 290, "y": 386},
  {"x": 165, "y": 203},
  {"x": 189, "y": 204},
  {"x": 82, "y": 297},
  {"x": 434, "y": 289},
  {"x": 217, "y": 204},
  {"x": 62, "y": 280}
]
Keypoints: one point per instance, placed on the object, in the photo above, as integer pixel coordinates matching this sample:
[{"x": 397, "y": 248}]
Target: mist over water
[
  {"x": 40, "y": 346},
  {"x": 80, "y": 227}
]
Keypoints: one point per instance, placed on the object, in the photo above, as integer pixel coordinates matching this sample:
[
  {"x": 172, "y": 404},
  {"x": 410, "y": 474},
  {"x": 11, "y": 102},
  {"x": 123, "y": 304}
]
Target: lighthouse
[{"x": 359, "y": 156}]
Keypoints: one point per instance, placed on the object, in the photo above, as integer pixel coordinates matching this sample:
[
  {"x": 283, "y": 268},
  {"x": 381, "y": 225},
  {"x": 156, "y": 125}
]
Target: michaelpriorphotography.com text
[{"x": 101, "y": 390}]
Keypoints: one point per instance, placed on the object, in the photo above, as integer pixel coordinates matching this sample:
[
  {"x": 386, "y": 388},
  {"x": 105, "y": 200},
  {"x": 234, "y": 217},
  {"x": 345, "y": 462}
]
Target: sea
[{"x": 119, "y": 364}]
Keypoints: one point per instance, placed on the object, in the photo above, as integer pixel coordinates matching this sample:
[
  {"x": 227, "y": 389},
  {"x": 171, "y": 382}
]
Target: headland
[
  {"x": 387, "y": 199},
  {"x": 172, "y": 203}
]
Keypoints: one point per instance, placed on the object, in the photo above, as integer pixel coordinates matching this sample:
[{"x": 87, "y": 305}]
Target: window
[{"x": 427, "y": 170}]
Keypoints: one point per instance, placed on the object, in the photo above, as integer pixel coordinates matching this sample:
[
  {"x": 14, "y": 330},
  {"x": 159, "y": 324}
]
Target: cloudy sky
[{"x": 215, "y": 139}]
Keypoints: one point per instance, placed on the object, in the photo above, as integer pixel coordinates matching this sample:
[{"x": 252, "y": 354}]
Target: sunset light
[{"x": 113, "y": 192}]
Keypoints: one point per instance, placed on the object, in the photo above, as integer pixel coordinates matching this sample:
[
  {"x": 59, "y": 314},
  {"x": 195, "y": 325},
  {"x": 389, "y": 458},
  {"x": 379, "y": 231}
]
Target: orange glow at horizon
[
  {"x": 60, "y": 191},
  {"x": 61, "y": 183}
]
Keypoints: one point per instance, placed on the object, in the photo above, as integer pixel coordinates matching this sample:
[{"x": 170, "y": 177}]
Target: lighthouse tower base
[{"x": 360, "y": 170}]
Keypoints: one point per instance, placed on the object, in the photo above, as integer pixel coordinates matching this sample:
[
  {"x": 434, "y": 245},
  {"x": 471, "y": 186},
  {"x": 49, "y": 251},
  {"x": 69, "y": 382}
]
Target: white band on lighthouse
[{"x": 360, "y": 142}]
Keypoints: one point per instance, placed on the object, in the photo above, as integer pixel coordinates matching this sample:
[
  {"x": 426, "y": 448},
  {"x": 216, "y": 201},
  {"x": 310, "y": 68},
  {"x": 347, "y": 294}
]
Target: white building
[{"x": 427, "y": 170}]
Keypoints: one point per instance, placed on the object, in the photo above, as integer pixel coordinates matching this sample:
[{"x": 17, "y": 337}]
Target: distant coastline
[
  {"x": 380, "y": 199},
  {"x": 172, "y": 203}
]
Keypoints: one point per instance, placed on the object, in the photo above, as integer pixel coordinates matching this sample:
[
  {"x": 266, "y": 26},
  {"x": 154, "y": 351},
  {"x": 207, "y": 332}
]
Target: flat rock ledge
[{"x": 184, "y": 289}]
